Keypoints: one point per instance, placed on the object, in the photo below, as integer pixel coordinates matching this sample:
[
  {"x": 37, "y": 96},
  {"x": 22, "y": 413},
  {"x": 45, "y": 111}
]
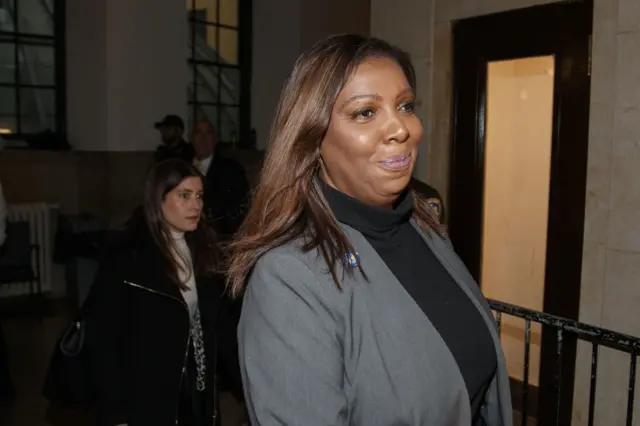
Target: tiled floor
[{"x": 30, "y": 344}]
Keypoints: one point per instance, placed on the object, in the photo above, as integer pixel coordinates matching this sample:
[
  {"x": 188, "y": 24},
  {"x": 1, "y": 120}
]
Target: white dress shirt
[{"x": 203, "y": 165}]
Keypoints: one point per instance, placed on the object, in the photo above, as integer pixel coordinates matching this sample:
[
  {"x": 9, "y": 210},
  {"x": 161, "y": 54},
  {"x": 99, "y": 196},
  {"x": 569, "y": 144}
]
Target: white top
[
  {"x": 185, "y": 270},
  {"x": 3, "y": 217},
  {"x": 203, "y": 165}
]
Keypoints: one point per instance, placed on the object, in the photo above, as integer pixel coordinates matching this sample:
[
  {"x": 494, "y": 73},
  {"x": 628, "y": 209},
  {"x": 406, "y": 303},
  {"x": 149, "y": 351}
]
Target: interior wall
[
  {"x": 282, "y": 29},
  {"x": 516, "y": 206},
  {"x": 319, "y": 19},
  {"x": 609, "y": 293},
  {"x": 126, "y": 69},
  {"x": 410, "y": 27},
  {"x": 276, "y": 45}
]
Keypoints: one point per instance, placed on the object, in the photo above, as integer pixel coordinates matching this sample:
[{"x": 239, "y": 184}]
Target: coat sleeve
[
  {"x": 226, "y": 339},
  {"x": 291, "y": 357},
  {"x": 105, "y": 312}
]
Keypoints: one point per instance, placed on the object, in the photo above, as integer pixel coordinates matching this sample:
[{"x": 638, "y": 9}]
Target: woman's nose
[{"x": 397, "y": 129}]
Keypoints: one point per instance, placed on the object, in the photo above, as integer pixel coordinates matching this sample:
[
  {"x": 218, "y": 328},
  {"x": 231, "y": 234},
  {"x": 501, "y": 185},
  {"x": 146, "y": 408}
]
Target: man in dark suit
[
  {"x": 171, "y": 129},
  {"x": 434, "y": 200},
  {"x": 226, "y": 186}
]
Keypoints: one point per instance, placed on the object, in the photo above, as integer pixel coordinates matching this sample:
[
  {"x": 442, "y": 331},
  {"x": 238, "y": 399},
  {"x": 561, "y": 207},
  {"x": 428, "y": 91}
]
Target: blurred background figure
[
  {"x": 171, "y": 129},
  {"x": 434, "y": 200},
  {"x": 159, "y": 329},
  {"x": 226, "y": 186}
]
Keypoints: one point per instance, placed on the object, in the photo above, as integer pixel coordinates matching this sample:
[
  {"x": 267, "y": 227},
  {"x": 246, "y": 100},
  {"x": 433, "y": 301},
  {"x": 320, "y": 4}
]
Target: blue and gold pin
[{"x": 353, "y": 260}]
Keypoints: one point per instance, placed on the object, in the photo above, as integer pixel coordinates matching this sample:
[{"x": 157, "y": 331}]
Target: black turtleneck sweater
[{"x": 427, "y": 281}]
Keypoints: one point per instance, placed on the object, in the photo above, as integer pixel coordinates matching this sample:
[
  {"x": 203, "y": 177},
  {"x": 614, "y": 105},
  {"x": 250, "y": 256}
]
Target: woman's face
[
  {"x": 371, "y": 145},
  {"x": 182, "y": 205}
]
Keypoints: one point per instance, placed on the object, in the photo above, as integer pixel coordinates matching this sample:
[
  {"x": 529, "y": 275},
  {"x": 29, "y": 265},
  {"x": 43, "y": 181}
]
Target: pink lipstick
[{"x": 396, "y": 163}]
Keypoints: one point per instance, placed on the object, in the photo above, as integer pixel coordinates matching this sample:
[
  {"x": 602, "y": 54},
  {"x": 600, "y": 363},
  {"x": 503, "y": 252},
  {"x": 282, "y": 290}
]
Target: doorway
[{"x": 518, "y": 176}]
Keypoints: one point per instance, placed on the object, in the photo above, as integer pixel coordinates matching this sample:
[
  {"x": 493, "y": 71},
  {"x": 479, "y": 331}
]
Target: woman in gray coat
[{"x": 357, "y": 311}]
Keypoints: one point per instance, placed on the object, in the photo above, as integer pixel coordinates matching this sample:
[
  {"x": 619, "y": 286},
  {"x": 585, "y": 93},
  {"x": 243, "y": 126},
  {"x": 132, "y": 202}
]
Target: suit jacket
[
  {"x": 226, "y": 195},
  {"x": 367, "y": 355}
]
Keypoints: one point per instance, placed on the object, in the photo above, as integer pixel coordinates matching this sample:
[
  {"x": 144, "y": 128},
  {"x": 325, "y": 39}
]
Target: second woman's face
[
  {"x": 371, "y": 145},
  {"x": 182, "y": 206}
]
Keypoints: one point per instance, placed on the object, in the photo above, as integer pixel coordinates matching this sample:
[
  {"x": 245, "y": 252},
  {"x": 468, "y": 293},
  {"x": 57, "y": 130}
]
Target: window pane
[
  {"x": 208, "y": 112},
  {"x": 205, "y": 42},
  {"x": 202, "y": 10},
  {"x": 6, "y": 15},
  {"x": 7, "y": 63},
  {"x": 229, "y": 129},
  {"x": 229, "y": 12},
  {"x": 230, "y": 86},
  {"x": 35, "y": 17},
  {"x": 8, "y": 110},
  {"x": 37, "y": 110},
  {"x": 37, "y": 65},
  {"x": 197, "y": 23},
  {"x": 210, "y": 79},
  {"x": 206, "y": 84},
  {"x": 228, "y": 48}
]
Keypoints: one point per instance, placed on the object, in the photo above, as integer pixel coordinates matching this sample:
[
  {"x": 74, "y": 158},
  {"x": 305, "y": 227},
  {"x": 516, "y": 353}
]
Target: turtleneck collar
[
  {"x": 177, "y": 235},
  {"x": 375, "y": 223}
]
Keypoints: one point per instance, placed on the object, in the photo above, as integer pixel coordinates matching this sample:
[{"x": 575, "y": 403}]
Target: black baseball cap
[{"x": 170, "y": 120}]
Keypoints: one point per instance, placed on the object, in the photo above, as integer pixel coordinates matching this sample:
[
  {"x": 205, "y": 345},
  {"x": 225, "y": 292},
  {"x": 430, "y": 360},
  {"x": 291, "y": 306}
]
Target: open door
[{"x": 517, "y": 192}]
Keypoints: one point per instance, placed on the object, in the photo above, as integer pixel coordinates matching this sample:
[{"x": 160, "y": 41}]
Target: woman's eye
[
  {"x": 364, "y": 113},
  {"x": 408, "y": 107}
]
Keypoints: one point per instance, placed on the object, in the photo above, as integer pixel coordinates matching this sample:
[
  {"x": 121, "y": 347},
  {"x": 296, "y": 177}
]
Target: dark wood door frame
[{"x": 562, "y": 30}]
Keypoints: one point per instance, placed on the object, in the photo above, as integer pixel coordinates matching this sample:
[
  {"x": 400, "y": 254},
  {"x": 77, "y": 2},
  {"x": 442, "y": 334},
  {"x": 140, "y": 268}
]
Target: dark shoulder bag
[{"x": 68, "y": 382}]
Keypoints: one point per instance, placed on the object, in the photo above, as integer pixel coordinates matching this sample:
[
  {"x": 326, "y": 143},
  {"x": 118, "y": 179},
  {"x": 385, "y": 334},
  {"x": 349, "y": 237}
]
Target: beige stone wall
[
  {"x": 610, "y": 291},
  {"x": 319, "y": 19},
  {"x": 611, "y": 262}
]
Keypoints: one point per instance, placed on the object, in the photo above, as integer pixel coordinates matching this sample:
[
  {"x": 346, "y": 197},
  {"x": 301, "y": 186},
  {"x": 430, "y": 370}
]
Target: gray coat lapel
[
  {"x": 417, "y": 330},
  {"x": 499, "y": 395},
  {"x": 498, "y": 402}
]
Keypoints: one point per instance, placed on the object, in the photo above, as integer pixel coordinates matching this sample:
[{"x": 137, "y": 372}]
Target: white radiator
[{"x": 41, "y": 225}]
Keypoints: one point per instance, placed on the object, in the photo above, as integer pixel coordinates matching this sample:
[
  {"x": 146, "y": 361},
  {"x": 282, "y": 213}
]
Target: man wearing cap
[{"x": 173, "y": 144}]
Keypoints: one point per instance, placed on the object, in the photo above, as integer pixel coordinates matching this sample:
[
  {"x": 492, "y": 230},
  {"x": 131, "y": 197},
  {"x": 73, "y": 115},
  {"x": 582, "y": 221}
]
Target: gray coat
[{"x": 312, "y": 355}]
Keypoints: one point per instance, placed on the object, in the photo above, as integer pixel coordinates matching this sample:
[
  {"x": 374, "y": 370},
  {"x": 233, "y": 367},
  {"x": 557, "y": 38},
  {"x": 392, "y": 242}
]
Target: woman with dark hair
[
  {"x": 357, "y": 311},
  {"x": 154, "y": 312}
]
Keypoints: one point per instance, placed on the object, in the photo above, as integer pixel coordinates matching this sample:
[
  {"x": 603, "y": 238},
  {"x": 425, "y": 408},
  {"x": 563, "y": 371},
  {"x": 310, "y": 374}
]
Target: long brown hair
[
  {"x": 162, "y": 178},
  {"x": 288, "y": 201}
]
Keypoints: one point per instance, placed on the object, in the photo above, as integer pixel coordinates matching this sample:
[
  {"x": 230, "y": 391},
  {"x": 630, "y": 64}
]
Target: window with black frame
[
  {"x": 31, "y": 74},
  {"x": 219, "y": 65}
]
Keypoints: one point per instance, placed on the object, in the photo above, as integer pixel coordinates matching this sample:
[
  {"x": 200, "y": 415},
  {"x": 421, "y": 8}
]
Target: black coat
[
  {"x": 226, "y": 195},
  {"x": 139, "y": 330},
  {"x": 434, "y": 200}
]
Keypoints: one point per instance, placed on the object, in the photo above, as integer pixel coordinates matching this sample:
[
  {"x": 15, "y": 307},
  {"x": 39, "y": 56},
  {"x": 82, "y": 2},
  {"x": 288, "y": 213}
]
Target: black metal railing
[{"x": 565, "y": 328}]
